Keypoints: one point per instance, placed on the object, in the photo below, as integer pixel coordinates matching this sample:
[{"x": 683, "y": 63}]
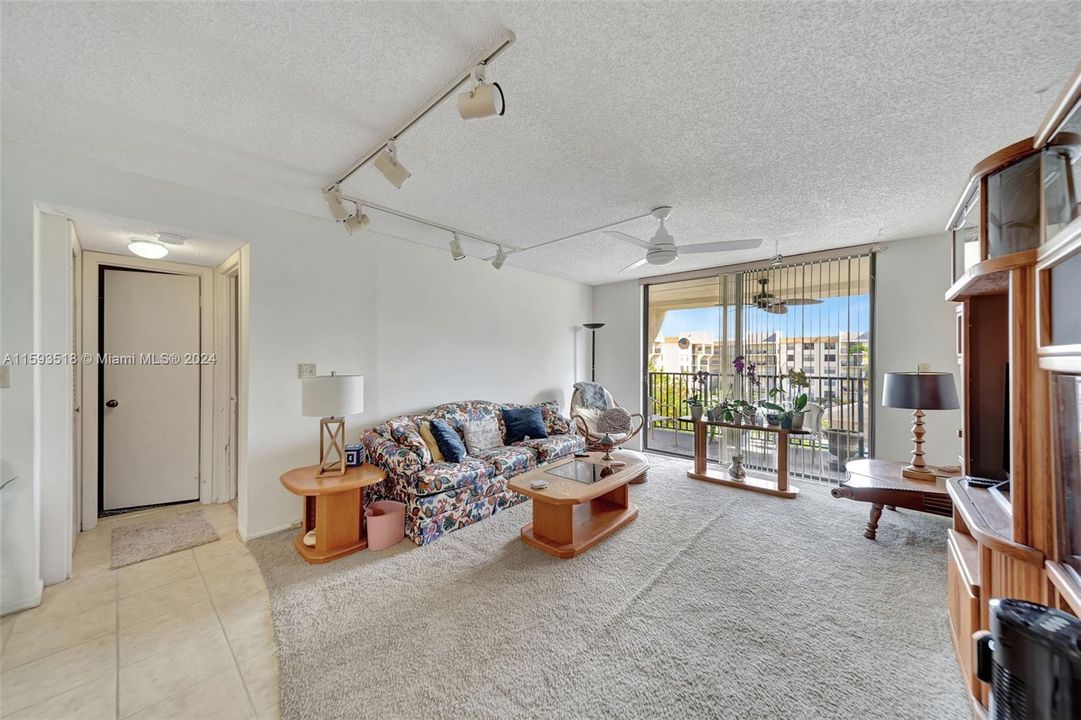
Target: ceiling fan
[
  {"x": 765, "y": 300},
  {"x": 661, "y": 248}
]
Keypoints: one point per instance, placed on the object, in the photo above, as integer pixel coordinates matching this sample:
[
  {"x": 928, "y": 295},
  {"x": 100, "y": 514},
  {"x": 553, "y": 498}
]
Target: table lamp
[
  {"x": 919, "y": 391},
  {"x": 332, "y": 397}
]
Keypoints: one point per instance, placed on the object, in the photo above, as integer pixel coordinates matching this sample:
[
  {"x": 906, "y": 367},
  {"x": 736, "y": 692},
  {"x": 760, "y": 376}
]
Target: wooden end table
[
  {"x": 333, "y": 507},
  {"x": 881, "y": 483},
  {"x": 570, "y": 517}
]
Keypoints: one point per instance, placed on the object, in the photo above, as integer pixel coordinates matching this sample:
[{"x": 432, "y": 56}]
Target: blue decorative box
[{"x": 354, "y": 454}]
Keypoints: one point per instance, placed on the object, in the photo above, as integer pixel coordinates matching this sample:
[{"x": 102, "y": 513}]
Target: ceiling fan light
[{"x": 147, "y": 248}]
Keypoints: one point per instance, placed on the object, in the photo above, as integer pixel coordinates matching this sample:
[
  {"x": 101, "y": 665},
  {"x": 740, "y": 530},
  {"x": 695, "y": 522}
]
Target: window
[{"x": 813, "y": 316}]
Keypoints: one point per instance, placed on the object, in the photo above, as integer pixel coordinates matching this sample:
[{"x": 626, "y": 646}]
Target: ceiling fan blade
[
  {"x": 634, "y": 265},
  {"x": 803, "y": 301},
  {"x": 721, "y": 246},
  {"x": 779, "y": 309},
  {"x": 628, "y": 238}
]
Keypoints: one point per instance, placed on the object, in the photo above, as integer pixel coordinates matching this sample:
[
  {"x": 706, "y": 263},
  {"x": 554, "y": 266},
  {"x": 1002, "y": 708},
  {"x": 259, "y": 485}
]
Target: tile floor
[{"x": 187, "y": 635}]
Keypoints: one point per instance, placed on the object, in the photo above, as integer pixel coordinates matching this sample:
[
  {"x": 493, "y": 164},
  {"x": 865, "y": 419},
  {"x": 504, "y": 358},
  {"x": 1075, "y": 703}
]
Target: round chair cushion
[{"x": 614, "y": 420}]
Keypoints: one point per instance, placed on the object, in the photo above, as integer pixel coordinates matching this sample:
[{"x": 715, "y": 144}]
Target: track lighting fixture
[
  {"x": 357, "y": 221},
  {"x": 387, "y": 163},
  {"x": 333, "y": 196},
  {"x": 456, "y": 251},
  {"x": 483, "y": 99},
  {"x": 499, "y": 259},
  {"x": 149, "y": 248}
]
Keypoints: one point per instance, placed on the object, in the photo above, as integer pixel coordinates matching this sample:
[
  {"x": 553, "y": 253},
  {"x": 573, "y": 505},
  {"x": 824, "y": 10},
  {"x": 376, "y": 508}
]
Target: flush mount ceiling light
[
  {"x": 148, "y": 248},
  {"x": 483, "y": 100},
  {"x": 456, "y": 251},
  {"x": 499, "y": 259},
  {"x": 387, "y": 163}
]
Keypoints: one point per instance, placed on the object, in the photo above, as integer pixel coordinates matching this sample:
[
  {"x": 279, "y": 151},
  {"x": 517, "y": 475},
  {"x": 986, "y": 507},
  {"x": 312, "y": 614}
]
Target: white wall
[
  {"x": 421, "y": 328},
  {"x": 619, "y": 343},
  {"x": 913, "y": 324}
]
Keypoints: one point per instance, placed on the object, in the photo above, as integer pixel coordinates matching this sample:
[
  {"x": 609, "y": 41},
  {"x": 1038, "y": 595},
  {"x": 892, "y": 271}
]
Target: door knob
[{"x": 111, "y": 403}]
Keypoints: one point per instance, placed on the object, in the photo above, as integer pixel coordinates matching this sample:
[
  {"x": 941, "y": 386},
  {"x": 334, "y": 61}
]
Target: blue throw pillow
[
  {"x": 447, "y": 439},
  {"x": 522, "y": 423}
]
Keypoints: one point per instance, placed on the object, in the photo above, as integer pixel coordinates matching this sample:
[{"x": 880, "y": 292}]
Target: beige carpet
[
  {"x": 154, "y": 538},
  {"x": 714, "y": 603}
]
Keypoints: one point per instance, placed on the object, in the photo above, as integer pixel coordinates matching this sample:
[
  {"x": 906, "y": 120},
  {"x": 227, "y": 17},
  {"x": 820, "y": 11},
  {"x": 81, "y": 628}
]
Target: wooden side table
[
  {"x": 880, "y": 483},
  {"x": 333, "y": 507},
  {"x": 778, "y": 487}
]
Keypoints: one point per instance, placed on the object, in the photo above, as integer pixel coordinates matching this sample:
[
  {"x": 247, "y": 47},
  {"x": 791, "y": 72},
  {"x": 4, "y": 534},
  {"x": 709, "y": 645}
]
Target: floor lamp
[{"x": 594, "y": 327}]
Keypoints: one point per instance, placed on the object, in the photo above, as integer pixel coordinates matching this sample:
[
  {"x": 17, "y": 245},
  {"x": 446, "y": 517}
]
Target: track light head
[
  {"x": 333, "y": 196},
  {"x": 483, "y": 99},
  {"x": 456, "y": 251},
  {"x": 499, "y": 259},
  {"x": 387, "y": 163},
  {"x": 357, "y": 221}
]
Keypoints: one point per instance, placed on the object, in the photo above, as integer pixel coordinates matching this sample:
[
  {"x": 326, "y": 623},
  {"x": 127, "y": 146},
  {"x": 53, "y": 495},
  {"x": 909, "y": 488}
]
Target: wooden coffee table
[
  {"x": 880, "y": 483},
  {"x": 569, "y": 516}
]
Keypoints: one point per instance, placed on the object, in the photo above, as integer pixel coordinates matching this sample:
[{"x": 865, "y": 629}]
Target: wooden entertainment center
[{"x": 1016, "y": 263}]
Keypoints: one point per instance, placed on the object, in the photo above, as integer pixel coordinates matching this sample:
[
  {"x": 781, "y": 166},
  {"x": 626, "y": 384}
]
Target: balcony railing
[{"x": 844, "y": 433}]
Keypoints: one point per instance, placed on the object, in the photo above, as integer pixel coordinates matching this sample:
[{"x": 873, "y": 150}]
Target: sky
[{"x": 833, "y": 315}]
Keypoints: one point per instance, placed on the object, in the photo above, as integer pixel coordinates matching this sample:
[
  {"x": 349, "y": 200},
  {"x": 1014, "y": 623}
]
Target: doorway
[{"x": 149, "y": 404}]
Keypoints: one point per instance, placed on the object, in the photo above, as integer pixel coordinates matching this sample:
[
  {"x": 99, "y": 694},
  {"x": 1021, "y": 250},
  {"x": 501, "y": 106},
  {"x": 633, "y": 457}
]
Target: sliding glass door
[{"x": 737, "y": 335}]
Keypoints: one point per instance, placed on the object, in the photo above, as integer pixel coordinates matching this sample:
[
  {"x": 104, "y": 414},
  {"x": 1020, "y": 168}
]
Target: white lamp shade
[{"x": 332, "y": 395}]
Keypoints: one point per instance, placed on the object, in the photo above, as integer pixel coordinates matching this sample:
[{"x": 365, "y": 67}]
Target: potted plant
[
  {"x": 789, "y": 415},
  {"x": 695, "y": 404}
]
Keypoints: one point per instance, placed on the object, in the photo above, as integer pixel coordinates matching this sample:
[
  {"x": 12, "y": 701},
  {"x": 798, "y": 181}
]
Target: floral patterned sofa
[{"x": 442, "y": 497}]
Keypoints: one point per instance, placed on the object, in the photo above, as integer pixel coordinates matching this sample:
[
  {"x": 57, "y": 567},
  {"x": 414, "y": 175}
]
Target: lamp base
[
  {"x": 915, "y": 473},
  {"x": 331, "y": 447}
]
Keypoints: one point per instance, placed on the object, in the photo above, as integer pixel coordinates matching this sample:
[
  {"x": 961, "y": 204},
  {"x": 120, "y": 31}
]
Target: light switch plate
[
  {"x": 923, "y": 367},
  {"x": 306, "y": 370},
  {"x": 5, "y": 376}
]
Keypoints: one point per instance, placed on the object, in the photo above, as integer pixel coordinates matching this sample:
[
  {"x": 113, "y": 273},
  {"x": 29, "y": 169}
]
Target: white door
[{"x": 150, "y": 420}]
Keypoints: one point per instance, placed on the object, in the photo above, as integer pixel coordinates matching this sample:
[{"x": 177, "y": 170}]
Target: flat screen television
[{"x": 1066, "y": 400}]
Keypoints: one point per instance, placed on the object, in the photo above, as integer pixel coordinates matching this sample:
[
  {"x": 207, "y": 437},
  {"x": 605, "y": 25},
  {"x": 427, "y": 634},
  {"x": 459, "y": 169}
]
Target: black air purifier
[{"x": 1032, "y": 658}]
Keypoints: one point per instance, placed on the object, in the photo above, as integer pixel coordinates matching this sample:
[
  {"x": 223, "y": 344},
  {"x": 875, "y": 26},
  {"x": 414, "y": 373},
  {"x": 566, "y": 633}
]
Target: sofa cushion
[
  {"x": 554, "y": 447},
  {"x": 438, "y": 477},
  {"x": 509, "y": 460},
  {"x": 522, "y": 423},
  {"x": 450, "y": 444},
  {"x": 433, "y": 504},
  {"x": 404, "y": 432}
]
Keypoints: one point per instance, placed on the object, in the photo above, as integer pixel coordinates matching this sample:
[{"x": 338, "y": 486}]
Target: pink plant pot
[{"x": 386, "y": 523}]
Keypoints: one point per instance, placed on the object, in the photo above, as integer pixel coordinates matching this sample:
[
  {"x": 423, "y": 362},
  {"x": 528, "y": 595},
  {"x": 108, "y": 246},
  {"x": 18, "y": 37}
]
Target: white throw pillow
[{"x": 482, "y": 435}]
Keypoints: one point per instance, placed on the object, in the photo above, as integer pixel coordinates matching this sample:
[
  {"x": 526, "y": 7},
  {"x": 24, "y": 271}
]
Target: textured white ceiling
[
  {"x": 815, "y": 124},
  {"x": 99, "y": 232}
]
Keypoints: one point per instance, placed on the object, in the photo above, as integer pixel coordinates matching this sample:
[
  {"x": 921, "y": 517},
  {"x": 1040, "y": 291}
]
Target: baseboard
[
  {"x": 271, "y": 531},
  {"x": 27, "y": 602}
]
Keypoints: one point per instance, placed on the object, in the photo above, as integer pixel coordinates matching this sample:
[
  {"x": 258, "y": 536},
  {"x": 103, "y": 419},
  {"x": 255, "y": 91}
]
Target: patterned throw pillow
[
  {"x": 615, "y": 421},
  {"x": 482, "y": 435},
  {"x": 554, "y": 420},
  {"x": 406, "y": 434}
]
